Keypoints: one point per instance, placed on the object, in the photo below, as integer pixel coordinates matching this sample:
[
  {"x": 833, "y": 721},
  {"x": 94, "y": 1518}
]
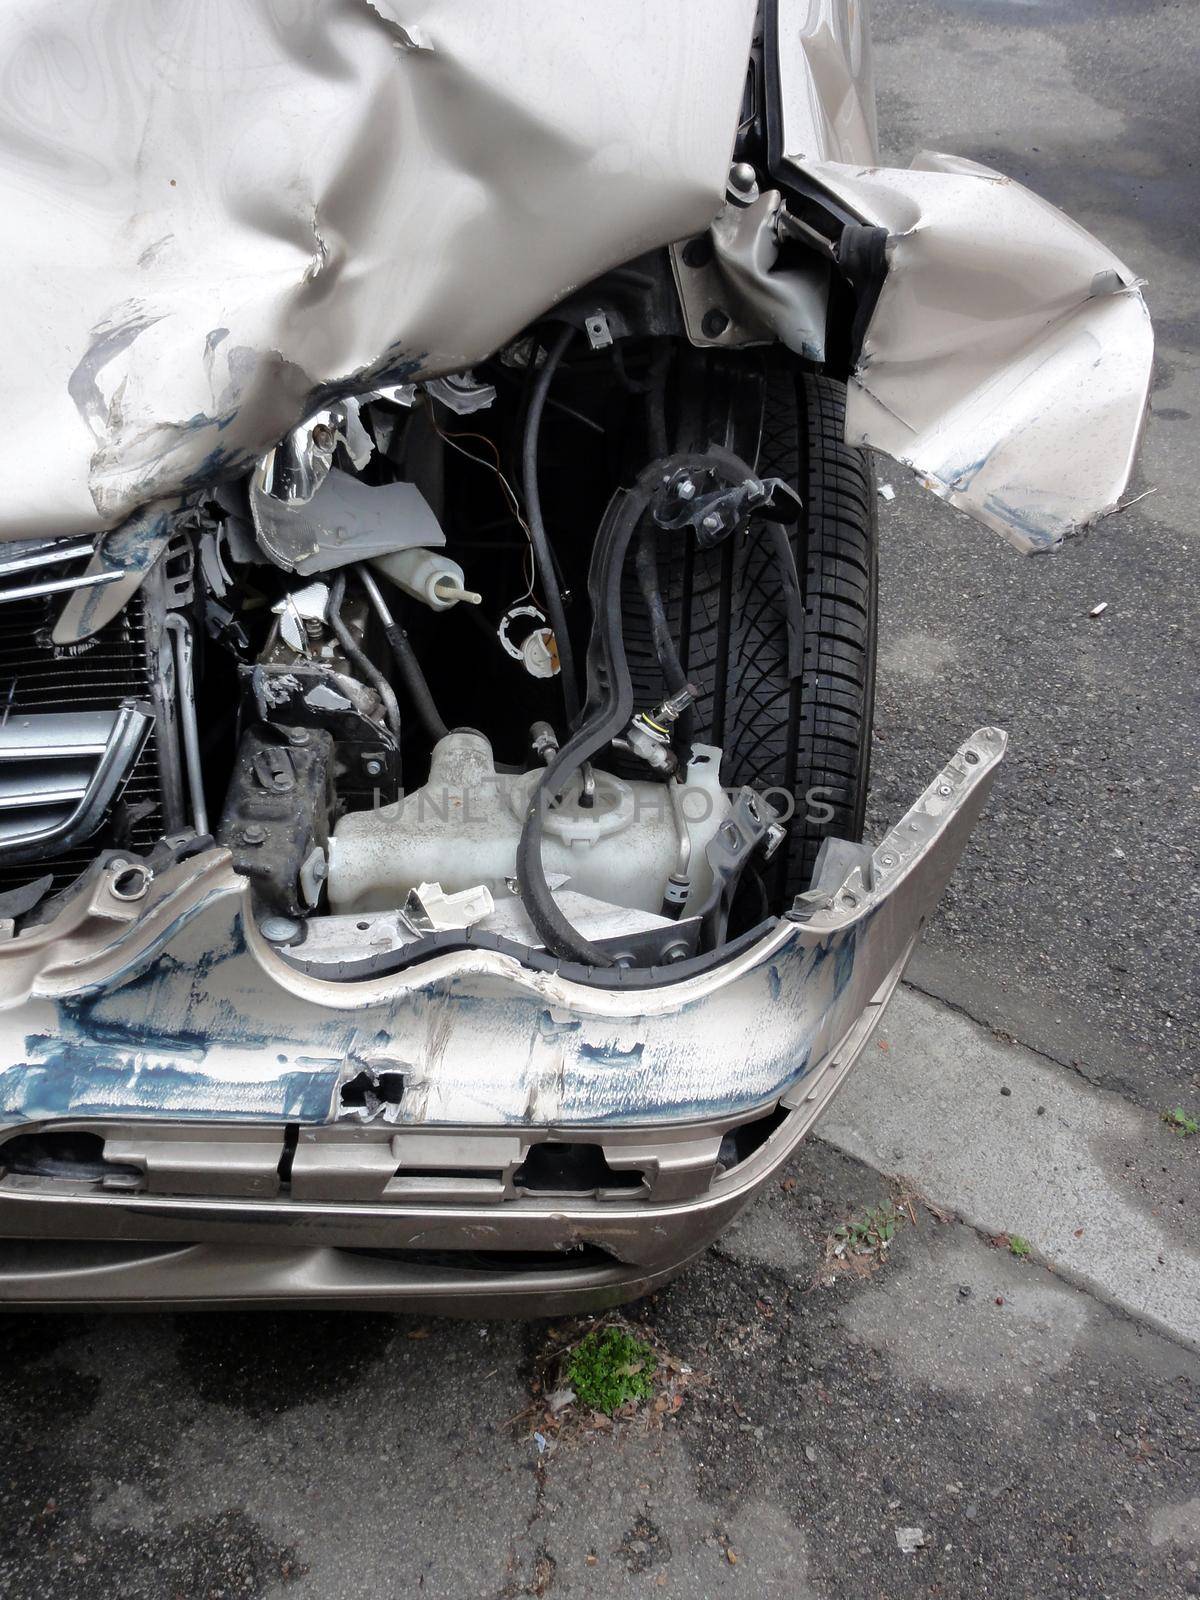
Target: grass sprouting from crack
[
  {"x": 860, "y": 1245},
  {"x": 1020, "y": 1247},
  {"x": 873, "y": 1231},
  {"x": 1180, "y": 1122},
  {"x": 609, "y": 1367}
]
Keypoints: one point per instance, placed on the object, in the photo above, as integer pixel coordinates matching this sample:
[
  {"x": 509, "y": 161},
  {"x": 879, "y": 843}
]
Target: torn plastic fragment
[
  {"x": 131, "y": 550},
  {"x": 431, "y": 910},
  {"x": 344, "y": 520}
]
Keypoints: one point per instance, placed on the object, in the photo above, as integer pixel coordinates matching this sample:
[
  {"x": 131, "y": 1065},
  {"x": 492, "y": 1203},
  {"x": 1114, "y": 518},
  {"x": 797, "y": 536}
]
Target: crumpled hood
[{"x": 216, "y": 214}]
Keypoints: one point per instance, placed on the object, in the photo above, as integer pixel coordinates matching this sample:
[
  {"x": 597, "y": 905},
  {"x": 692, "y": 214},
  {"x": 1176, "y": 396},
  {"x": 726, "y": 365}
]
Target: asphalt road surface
[{"x": 1043, "y": 1443}]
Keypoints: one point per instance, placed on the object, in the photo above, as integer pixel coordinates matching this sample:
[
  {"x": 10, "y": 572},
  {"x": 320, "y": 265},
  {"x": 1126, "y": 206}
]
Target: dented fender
[{"x": 1008, "y": 357}]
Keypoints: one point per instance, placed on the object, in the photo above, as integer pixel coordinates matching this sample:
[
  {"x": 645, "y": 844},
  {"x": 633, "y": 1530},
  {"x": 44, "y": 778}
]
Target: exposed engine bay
[
  {"x": 569, "y": 643},
  {"x": 357, "y": 669}
]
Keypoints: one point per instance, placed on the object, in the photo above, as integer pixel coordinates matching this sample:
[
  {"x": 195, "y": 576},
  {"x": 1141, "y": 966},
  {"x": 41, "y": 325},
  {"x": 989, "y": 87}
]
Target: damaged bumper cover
[{"x": 261, "y": 1133}]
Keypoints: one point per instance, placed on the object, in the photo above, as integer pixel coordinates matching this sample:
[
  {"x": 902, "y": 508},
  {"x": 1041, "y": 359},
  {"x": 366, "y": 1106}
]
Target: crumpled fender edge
[{"x": 1008, "y": 357}]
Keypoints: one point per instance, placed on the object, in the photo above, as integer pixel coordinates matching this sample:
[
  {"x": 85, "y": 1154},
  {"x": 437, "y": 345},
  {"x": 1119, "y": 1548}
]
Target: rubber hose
[
  {"x": 610, "y": 694},
  {"x": 391, "y": 706},
  {"x": 646, "y": 565},
  {"x": 405, "y": 658},
  {"x": 537, "y": 528}
]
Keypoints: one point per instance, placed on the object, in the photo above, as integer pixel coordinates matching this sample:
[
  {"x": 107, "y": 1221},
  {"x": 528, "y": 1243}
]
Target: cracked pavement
[{"x": 1044, "y": 1441}]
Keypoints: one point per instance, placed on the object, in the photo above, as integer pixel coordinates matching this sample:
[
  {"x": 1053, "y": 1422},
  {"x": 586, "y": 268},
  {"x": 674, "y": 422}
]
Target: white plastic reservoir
[{"x": 463, "y": 827}]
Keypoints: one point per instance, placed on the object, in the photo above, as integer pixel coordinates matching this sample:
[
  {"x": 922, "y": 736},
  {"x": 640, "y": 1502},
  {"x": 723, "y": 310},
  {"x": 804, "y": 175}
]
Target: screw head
[
  {"x": 279, "y": 930},
  {"x": 254, "y": 833},
  {"x": 373, "y": 767},
  {"x": 714, "y": 323},
  {"x": 698, "y": 252},
  {"x": 742, "y": 177},
  {"x": 297, "y": 736},
  {"x": 685, "y": 489}
]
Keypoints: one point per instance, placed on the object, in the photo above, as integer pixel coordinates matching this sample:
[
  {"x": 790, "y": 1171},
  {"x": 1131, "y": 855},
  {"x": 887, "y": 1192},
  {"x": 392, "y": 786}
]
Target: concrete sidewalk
[{"x": 1104, "y": 1192}]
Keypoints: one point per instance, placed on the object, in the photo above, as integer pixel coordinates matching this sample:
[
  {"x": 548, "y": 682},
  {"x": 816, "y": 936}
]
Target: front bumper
[{"x": 265, "y": 1135}]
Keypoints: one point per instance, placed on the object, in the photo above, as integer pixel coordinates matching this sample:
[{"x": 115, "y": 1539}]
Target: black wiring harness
[{"x": 712, "y": 493}]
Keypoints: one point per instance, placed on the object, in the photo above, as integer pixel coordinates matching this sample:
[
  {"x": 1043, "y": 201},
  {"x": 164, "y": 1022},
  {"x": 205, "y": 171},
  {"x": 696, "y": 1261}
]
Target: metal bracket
[{"x": 715, "y": 507}]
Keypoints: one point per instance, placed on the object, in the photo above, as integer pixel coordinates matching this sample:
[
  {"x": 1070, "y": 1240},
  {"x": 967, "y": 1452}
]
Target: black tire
[{"x": 809, "y": 737}]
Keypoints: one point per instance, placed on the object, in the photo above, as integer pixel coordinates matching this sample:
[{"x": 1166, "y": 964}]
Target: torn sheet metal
[
  {"x": 178, "y": 1007},
  {"x": 1009, "y": 355},
  {"x": 221, "y": 215}
]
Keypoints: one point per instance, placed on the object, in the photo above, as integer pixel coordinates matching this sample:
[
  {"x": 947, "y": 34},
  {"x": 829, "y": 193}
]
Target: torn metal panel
[
  {"x": 178, "y": 1007},
  {"x": 220, "y": 217},
  {"x": 1009, "y": 355}
]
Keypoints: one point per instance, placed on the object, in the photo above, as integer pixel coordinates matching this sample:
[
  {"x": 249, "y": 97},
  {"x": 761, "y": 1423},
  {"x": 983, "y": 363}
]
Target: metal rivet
[
  {"x": 279, "y": 930},
  {"x": 742, "y": 177},
  {"x": 714, "y": 323}
]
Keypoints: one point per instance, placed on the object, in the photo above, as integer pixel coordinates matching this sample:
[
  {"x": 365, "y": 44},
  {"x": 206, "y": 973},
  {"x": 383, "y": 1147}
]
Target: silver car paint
[
  {"x": 219, "y": 213},
  {"x": 219, "y": 210},
  {"x": 1009, "y": 356}
]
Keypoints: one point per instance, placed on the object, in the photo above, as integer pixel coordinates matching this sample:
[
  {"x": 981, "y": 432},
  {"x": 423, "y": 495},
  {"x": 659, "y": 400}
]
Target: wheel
[{"x": 809, "y": 737}]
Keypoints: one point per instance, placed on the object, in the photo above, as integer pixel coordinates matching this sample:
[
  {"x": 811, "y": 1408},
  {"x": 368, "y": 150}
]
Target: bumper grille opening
[
  {"x": 76, "y": 1156},
  {"x": 741, "y": 1143},
  {"x": 569, "y": 1260},
  {"x": 553, "y": 1168}
]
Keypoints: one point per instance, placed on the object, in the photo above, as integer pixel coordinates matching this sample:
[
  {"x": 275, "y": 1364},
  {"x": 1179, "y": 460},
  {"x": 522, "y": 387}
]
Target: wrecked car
[{"x": 437, "y": 616}]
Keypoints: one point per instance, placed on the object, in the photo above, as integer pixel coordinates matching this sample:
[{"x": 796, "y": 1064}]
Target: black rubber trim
[{"x": 462, "y": 939}]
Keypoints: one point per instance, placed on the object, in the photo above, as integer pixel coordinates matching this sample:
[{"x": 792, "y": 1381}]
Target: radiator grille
[{"x": 96, "y": 675}]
